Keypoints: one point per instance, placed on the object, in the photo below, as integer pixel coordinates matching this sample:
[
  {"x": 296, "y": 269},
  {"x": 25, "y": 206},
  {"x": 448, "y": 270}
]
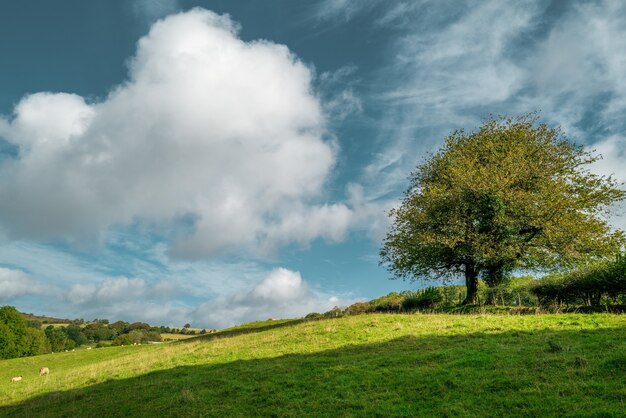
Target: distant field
[
  {"x": 167, "y": 336},
  {"x": 45, "y": 319},
  {"x": 369, "y": 365}
]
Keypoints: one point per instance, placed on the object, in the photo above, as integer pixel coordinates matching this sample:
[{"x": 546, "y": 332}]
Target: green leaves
[
  {"x": 511, "y": 195},
  {"x": 586, "y": 285}
]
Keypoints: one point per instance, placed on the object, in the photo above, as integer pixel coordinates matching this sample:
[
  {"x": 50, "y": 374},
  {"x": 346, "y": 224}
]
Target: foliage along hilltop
[{"x": 382, "y": 364}]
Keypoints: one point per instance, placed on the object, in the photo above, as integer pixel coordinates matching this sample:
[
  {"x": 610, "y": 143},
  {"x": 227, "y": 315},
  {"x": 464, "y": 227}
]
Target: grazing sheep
[
  {"x": 44, "y": 370},
  {"x": 88, "y": 348},
  {"x": 16, "y": 379}
]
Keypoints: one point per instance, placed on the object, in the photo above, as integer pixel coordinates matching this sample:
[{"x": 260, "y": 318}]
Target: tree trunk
[{"x": 471, "y": 283}]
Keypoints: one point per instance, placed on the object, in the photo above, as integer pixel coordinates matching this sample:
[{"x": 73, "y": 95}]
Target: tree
[
  {"x": 36, "y": 342},
  {"x": 138, "y": 336},
  {"x": 123, "y": 339},
  {"x": 13, "y": 329},
  {"x": 74, "y": 333},
  {"x": 58, "y": 339},
  {"x": 187, "y": 325},
  {"x": 512, "y": 195},
  {"x": 17, "y": 339},
  {"x": 118, "y": 327}
]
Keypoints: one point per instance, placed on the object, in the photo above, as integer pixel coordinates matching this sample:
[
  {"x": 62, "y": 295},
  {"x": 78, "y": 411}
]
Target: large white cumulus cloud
[
  {"x": 221, "y": 137},
  {"x": 281, "y": 294}
]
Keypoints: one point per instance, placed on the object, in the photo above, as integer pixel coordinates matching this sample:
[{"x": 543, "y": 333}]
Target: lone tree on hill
[{"x": 512, "y": 195}]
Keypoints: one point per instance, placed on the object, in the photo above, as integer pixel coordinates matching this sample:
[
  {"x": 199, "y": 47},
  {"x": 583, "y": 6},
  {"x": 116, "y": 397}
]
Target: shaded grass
[{"x": 372, "y": 365}]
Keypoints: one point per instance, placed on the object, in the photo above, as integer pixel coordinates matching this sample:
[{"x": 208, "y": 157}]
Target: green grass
[
  {"x": 169, "y": 337},
  {"x": 370, "y": 365}
]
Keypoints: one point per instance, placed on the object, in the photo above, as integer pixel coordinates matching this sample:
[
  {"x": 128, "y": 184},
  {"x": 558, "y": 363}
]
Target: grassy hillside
[
  {"x": 385, "y": 365},
  {"x": 45, "y": 319}
]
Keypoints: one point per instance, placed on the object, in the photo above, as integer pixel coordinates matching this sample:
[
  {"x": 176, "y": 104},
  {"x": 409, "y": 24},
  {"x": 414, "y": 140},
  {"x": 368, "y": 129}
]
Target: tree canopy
[
  {"x": 17, "y": 339},
  {"x": 514, "y": 194}
]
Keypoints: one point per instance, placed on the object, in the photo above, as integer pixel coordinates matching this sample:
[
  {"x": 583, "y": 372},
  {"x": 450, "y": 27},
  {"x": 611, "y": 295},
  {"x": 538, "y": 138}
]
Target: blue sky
[{"x": 216, "y": 162}]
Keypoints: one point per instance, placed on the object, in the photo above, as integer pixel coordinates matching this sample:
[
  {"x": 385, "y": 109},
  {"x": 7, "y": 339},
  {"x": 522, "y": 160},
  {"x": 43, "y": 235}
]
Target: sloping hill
[
  {"x": 44, "y": 319},
  {"x": 386, "y": 365}
]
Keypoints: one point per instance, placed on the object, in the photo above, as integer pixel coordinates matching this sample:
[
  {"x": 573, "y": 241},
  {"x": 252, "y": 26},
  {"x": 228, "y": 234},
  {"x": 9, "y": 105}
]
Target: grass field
[
  {"x": 168, "y": 336},
  {"x": 369, "y": 365}
]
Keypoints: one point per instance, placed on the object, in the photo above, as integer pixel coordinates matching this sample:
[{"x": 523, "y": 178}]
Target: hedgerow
[{"x": 600, "y": 283}]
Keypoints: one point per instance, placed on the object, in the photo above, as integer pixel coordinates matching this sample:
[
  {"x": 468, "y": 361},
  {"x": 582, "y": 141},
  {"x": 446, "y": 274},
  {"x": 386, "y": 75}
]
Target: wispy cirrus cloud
[{"x": 452, "y": 63}]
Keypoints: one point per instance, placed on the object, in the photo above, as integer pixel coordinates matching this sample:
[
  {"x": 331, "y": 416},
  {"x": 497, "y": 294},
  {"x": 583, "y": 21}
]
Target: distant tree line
[{"x": 20, "y": 337}]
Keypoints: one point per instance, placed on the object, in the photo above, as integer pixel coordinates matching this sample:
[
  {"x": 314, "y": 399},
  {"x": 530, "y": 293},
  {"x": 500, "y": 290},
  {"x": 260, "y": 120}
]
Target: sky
[{"x": 217, "y": 162}]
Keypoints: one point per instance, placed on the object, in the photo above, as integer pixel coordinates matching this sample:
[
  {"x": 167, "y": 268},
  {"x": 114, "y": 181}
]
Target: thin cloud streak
[{"x": 454, "y": 63}]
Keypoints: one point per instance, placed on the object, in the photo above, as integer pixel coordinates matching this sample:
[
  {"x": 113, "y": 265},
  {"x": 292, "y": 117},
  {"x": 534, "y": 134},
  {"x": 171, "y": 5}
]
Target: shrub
[
  {"x": 423, "y": 299},
  {"x": 587, "y": 286},
  {"x": 124, "y": 339},
  {"x": 390, "y": 303},
  {"x": 453, "y": 295},
  {"x": 336, "y": 312},
  {"x": 358, "y": 308},
  {"x": 513, "y": 292}
]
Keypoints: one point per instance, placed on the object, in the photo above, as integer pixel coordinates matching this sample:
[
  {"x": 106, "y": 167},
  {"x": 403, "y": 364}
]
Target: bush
[
  {"x": 336, "y": 312},
  {"x": 124, "y": 339},
  {"x": 453, "y": 295},
  {"x": 427, "y": 298},
  {"x": 513, "y": 292},
  {"x": 358, "y": 308},
  {"x": 598, "y": 283},
  {"x": 390, "y": 303}
]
